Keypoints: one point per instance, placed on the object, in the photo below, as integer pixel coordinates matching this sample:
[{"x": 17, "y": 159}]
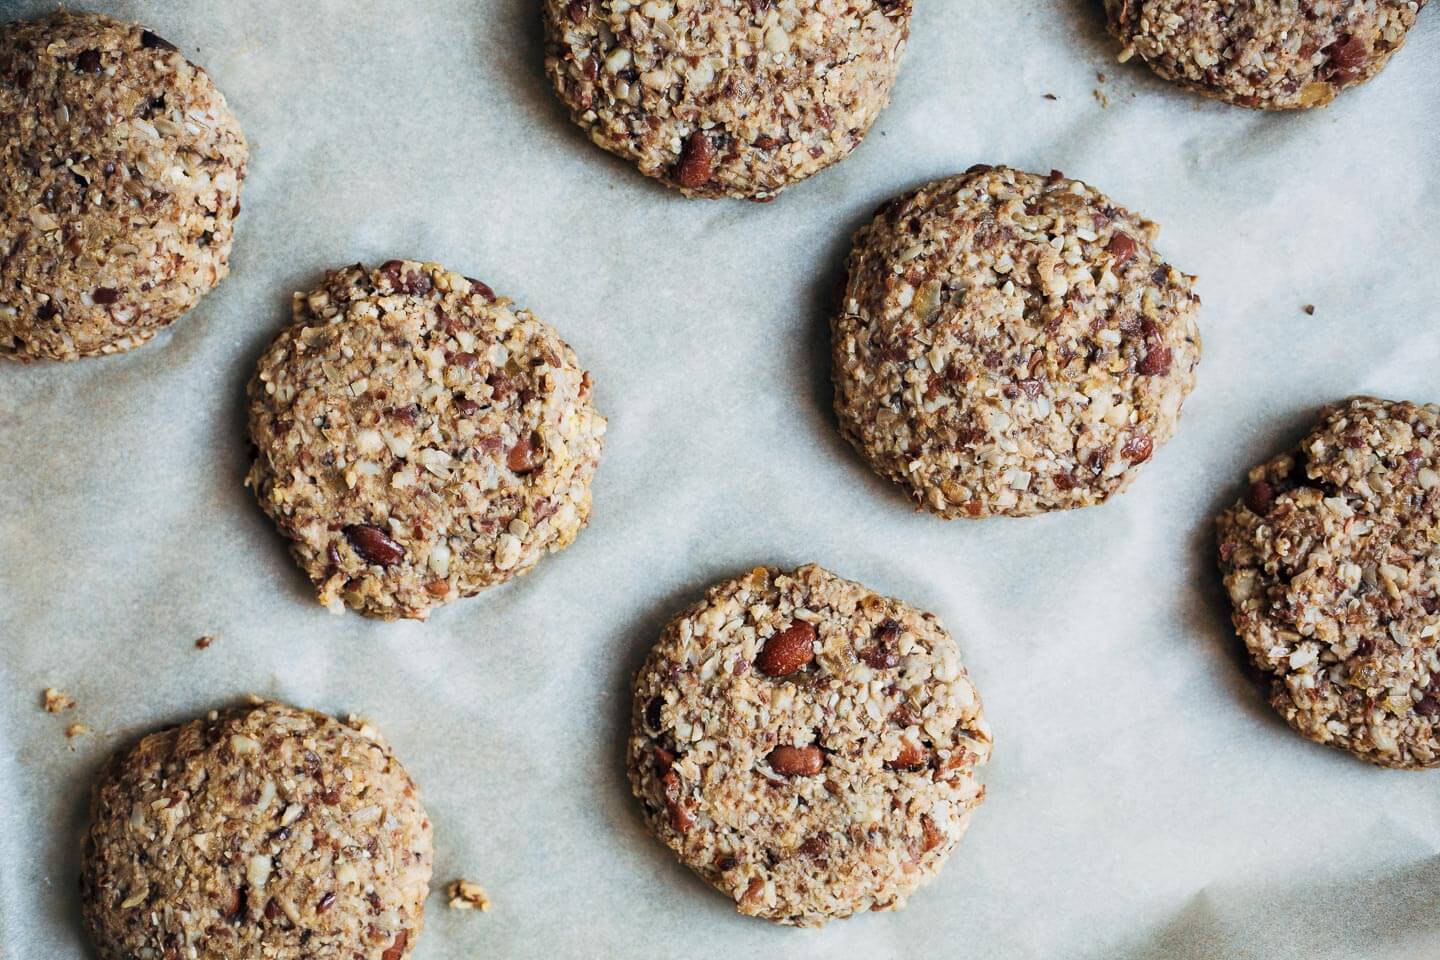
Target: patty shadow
[
  {"x": 64, "y": 851},
  {"x": 635, "y": 643},
  {"x": 530, "y": 88},
  {"x": 65, "y": 848},
  {"x": 1209, "y": 592},
  {"x": 825, "y": 298},
  {"x": 1086, "y": 24},
  {"x": 241, "y": 453}
]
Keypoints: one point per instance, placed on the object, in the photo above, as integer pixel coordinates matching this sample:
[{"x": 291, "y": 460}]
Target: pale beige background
[{"x": 1144, "y": 802}]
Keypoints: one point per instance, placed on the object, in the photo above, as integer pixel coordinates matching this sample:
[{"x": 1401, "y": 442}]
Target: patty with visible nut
[
  {"x": 1269, "y": 54},
  {"x": 120, "y": 173},
  {"x": 807, "y": 746},
  {"x": 261, "y": 831},
  {"x": 726, "y": 97},
  {"x": 1332, "y": 563},
  {"x": 419, "y": 439},
  {"x": 1011, "y": 344}
]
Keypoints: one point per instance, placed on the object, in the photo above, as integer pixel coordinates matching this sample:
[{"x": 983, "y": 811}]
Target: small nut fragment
[
  {"x": 483, "y": 289},
  {"x": 1122, "y": 247},
  {"x": 1156, "y": 362},
  {"x": 153, "y": 41},
  {"x": 912, "y": 756},
  {"x": 681, "y": 817},
  {"x": 787, "y": 651},
  {"x": 797, "y": 761},
  {"x": 1138, "y": 448},
  {"x": 1260, "y": 497},
  {"x": 697, "y": 161},
  {"x": 374, "y": 544},
  {"x": 881, "y": 655},
  {"x": 397, "y": 948},
  {"x": 934, "y": 836},
  {"x": 525, "y": 456}
]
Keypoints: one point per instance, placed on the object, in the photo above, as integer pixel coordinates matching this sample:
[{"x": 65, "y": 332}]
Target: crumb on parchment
[
  {"x": 465, "y": 895},
  {"x": 57, "y": 701}
]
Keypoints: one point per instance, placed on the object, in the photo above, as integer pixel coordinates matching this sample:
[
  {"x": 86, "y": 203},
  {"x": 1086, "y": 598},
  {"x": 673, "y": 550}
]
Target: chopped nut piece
[{"x": 787, "y": 651}]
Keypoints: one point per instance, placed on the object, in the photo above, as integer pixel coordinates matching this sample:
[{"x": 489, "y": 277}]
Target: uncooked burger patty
[
  {"x": 120, "y": 173},
  {"x": 720, "y": 98},
  {"x": 1271, "y": 54},
  {"x": 1332, "y": 563},
  {"x": 807, "y": 746},
  {"x": 262, "y": 831},
  {"x": 419, "y": 439},
  {"x": 1011, "y": 344}
]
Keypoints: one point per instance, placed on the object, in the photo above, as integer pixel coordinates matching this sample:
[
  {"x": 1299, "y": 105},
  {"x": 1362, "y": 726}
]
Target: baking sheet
[{"x": 1143, "y": 801}]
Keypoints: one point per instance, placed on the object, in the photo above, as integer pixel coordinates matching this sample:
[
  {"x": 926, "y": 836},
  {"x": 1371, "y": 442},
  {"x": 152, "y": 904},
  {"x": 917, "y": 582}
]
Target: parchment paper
[{"x": 1144, "y": 802}]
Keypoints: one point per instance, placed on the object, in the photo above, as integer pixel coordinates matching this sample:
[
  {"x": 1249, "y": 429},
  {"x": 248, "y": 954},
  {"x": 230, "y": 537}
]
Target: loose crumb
[
  {"x": 465, "y": 895},
  {"x": 1051, "y": 96},
  {"x": 1100, "y": 77},
  {"x": 76, "y": 730},
  {"x": 204, "y": 642},
  {"x": 1309, "y": 309},
  {"x": 57, "y": 701},
  {"x": 1101, "y": 99}
]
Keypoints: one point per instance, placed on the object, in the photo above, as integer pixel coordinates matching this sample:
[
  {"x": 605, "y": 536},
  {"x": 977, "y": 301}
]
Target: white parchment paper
[{"x": 1144, "y": 802}]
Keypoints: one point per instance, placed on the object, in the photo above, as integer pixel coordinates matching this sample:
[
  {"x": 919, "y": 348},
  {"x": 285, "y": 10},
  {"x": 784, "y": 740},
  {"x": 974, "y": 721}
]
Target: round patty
[
  {"x": 419, "y": 439},
  {"x": 1332, "y": 563},
  {"x": 1271, "y": 54},
  {"x": 807, "y": 746},
  {"x": 735, "y": 98},
  {"x": 1011, "y": 344},
  {"x": 120, "y": 172},
  {"x": 258, "y": 831}
]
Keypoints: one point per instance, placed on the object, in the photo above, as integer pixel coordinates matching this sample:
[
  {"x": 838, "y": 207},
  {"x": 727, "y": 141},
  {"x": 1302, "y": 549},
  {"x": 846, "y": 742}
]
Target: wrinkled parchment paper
[{"x": 1144, "y": 802}]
